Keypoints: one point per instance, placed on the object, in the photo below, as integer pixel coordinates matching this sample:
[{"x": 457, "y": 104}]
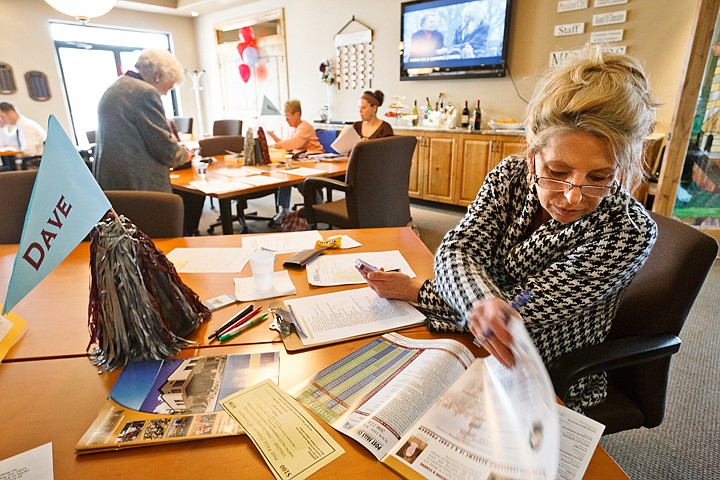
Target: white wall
[
  {"x": 657, "y": 32},
  {"x": 25, "y": 44}
]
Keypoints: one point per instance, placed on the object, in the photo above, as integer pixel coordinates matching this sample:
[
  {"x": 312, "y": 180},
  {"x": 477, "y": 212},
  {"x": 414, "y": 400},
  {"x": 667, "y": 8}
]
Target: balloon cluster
[{"x": 247, "y": 48}]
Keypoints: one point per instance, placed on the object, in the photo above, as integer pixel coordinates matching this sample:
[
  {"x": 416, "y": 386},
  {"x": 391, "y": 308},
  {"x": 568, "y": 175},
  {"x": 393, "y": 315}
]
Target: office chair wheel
[{"x": 211, "y": 230}]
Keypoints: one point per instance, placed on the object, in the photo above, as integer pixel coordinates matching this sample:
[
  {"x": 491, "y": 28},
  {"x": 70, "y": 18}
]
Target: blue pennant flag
[{"x": 65, "y": 205}]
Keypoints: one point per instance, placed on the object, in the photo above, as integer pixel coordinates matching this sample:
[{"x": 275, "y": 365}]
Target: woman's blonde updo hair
[
  {"x": 155, "y": 61},
  {"x": 606, "y": 95}
]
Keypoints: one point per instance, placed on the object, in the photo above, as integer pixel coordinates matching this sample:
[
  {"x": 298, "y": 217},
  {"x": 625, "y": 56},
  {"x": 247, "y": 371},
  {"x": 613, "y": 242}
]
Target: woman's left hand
[{"x": 393, "y": 285}]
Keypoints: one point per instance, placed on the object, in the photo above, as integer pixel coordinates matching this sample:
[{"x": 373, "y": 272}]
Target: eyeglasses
[{"x": 595, "y": 191}]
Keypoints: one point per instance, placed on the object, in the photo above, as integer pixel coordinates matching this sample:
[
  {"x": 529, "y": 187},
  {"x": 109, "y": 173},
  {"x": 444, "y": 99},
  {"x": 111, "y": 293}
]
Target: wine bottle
[
  {"x": 415, "y": 115},
  {"x": 465, "y": 119},
  {"x": 477, "y": 121}
]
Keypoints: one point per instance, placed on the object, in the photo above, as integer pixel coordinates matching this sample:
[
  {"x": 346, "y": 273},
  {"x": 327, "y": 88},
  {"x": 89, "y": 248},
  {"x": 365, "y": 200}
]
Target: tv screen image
[{"x": 454, "y": 38}]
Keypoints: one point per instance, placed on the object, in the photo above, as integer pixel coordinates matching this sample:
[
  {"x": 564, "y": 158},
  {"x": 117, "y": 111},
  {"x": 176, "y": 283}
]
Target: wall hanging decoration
[
  {"x": 7, "y": 79},
  {"x": 37, "y": 85},
  {"x": 354, "y": 56}
]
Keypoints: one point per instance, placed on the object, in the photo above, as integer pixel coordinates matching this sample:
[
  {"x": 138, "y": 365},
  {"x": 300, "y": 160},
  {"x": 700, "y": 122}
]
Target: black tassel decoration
[{"x": 139, "y": 307}]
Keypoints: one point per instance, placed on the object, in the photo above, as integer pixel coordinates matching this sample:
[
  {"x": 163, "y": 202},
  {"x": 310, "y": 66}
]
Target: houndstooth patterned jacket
[{"x": 576, "y": 272}]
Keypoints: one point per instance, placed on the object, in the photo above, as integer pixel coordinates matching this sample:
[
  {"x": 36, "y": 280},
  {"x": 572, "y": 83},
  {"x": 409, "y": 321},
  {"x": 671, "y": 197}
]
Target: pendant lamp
[{"x": 83, "y": 10}]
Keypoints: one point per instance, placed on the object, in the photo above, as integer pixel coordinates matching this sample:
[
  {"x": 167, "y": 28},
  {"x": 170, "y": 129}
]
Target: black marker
[{"x": 234, "y": 318}]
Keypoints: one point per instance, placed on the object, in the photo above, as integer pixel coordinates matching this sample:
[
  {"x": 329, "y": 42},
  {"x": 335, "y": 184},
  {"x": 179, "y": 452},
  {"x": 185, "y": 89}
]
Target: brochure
[
  {"x": 175, "y": 400},
  {"x": 428, "y": 409}
]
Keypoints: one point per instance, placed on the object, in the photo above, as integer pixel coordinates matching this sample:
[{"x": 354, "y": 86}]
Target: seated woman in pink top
[{"x": 302, "y": 137}]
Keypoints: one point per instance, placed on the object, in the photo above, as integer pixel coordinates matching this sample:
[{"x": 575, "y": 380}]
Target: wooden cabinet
[
  {"x": 433, "y": 168},
  {"x": 451, "y": 167},
  {"x": 477, "y": 155}
]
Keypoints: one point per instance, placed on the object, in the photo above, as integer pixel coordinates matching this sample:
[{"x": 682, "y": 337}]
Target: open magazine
[
  {"x": 175, "y": 400},
  {"x": 429, "y": 409}
]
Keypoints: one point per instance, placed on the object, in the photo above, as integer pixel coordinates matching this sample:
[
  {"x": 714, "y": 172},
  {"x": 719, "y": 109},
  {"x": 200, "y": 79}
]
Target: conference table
[
  {"x": 52, "y": 393},
  {"x": 181, "y": 180}
]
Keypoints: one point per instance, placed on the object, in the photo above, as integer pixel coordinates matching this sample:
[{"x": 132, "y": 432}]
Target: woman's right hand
[
  {"x": 488, "y": 322},
  {"x": 393, "y": 285}
]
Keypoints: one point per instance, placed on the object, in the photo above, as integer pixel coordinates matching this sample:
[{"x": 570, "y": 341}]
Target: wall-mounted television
[{"x": 454, "y": 39}]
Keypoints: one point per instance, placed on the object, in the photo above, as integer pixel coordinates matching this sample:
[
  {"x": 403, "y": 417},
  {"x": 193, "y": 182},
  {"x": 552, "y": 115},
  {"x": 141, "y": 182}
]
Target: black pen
[{"x": 233, "y": 319}]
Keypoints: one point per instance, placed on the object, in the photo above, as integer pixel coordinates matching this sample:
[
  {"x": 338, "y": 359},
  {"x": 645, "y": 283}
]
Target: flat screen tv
[{"x": 454, "y": 39}]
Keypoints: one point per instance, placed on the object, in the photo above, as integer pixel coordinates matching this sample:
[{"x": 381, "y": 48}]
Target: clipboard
[{"x": 293, "y": 343}]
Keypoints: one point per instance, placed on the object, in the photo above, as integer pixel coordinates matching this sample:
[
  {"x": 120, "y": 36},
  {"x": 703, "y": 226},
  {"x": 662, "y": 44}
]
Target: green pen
[{"x": 238, "y": 330}]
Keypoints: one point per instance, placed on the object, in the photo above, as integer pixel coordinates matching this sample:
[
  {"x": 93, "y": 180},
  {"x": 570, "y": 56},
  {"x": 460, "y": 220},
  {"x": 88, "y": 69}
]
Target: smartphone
[{"x": 365, "y": 267}]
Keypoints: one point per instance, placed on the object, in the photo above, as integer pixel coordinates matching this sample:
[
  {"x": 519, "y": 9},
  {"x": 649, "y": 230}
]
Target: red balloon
[
  {"x": 246, "y": 34},
  {"x": 244, "y": 72},
  {"x": 260, "y": 71},
  {"x": 241, "y": 47}
]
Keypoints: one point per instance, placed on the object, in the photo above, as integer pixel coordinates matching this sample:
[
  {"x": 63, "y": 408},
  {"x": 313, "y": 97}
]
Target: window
[{"x": 91, "y": 58}]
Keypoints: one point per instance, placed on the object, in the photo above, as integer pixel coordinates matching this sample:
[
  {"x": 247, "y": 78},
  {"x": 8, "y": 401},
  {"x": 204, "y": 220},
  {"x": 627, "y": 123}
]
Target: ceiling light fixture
[{"x": 83, "y": 10}]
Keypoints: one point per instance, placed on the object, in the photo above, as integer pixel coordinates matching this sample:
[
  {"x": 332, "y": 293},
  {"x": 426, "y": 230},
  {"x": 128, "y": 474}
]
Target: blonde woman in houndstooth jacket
[{"x": 557, "y": 226}]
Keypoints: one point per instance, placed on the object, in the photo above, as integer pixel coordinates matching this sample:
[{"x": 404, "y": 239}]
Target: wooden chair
[
  {"x": 644, "y": 334},
  {"x": 157, "y": 214},
  {"x": 375, "y": 186},
  {"x": 15, "y": 191},
  {"x": 227, "y": 127},
  {"x": 221, "y": 144}
]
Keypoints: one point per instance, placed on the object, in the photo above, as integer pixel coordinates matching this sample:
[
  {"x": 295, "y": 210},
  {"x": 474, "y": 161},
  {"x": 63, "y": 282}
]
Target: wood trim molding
[{"x": 681, "y": 125}]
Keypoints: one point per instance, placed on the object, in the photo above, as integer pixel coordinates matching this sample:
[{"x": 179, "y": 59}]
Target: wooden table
[
  {"x": 56, "y": 400},
  {"x": 56, "y": 310},
  {"x": 181, "y": 179}
]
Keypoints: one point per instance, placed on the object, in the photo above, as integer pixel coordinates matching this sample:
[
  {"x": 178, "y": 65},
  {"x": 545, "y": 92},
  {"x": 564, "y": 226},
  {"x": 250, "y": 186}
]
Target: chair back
[
  {"x": 657, "y": 302},
  {"x": 221, "y": 144},
  {"x": 227, "y": 127},
  {"x": 15, "y": 192},
  {"x": 157, "y": 214},
  {"x": 379, "y": 173},
  {"x": 327, "y": 137},
  {"x": 90, "y": 134},
  {"x": 183, "y": 124}
]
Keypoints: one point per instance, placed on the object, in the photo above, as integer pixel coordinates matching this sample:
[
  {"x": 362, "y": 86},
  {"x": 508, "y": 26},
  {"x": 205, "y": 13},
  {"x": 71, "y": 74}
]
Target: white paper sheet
[
  {"x": 260, "y": 180},
  {"x": 346, "y": 140},
  {"x": 579, "y": 436},
  {"x": 217, "y": 186},
  {"x": 245, "y": 290},
  {"x": 238, "y": 172},
  {"x": 282, "y": 242},
  {"x": 35, "y": 464},
  {"x": 303, "y": 171},
  {"x": 350, "y": 313},
  {"x": 209, "y": 260},
  {"x": 330, "y": 270}
]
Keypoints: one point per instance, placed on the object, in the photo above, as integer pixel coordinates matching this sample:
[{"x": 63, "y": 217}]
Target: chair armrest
[{"x": 609, "y": 355}]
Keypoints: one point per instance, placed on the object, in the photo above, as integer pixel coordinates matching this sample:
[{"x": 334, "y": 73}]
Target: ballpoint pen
[
  {"x": 238, "y": 330},
  {"x": 240, "y": 321},
  {"x": 232, "y": 320},
  {"x": 517, "y": 303}
]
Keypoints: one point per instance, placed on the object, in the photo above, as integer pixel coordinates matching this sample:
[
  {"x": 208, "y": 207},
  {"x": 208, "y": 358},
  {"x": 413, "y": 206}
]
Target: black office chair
[
  {"x": 644, "y": 334},
  {"x": 375, "y": 186},
  {"x": 227, "y": 127},
  {"x": 15, "y": 191},
  {"x": 221, "y": 144},
  {"x": 157, "y": 214},
  {"x": 88, "y": 154},
  {"x": 183, "y": 124}
]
